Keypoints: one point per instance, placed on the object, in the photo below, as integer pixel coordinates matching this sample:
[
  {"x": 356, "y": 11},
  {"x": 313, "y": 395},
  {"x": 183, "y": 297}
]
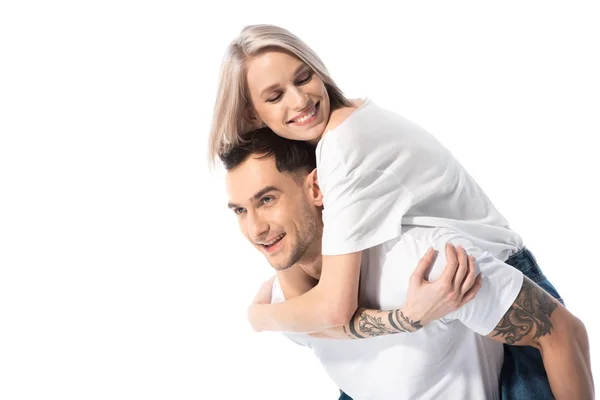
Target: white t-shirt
[
  {"x": 448, "y": 358},
  {"x": 379, "y": 171}
]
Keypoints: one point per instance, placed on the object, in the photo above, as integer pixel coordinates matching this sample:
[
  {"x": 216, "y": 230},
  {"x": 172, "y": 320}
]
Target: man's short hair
[{"x": 290, "y": 155}]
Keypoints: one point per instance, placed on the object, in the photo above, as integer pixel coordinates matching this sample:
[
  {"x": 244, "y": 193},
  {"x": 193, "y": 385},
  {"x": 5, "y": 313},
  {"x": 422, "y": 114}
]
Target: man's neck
[
  {"x": 312, "y": 261},
  {"x": 303, "y": 275}
]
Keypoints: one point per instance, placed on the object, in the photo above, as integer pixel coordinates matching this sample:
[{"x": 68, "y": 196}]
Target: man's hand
[{"x": 428, "y": 301}]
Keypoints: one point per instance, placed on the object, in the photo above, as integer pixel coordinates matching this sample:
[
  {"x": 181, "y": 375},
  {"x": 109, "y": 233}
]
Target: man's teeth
[
  {"x": 272, "y": 242},
  {"x": 307, "y": 116}
]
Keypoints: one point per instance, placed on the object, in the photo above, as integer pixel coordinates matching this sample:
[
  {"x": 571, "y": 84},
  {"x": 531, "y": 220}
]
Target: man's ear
[{"x": 314, "y": 191}]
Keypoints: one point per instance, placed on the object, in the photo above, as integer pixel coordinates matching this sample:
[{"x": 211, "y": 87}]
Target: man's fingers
[{"x": 424, "y": 264}]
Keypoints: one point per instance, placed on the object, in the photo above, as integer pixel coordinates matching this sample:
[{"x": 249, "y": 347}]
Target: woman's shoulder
[
  {"x": 357, "y": 103},
  {"x": 341, "y": 114}
]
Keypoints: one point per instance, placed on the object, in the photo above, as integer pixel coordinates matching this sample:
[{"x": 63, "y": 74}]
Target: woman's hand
[
  {"x": 262, "y": 298},
  {"x": 265, "y": 292},
  {"x": 428, "y": 301}
]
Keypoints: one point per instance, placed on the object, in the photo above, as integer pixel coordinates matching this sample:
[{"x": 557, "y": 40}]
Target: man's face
[{"x": 274, "y": 210}]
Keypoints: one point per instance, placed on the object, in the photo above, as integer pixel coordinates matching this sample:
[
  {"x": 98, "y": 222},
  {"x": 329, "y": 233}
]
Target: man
[{"x": 274, "y": 192}]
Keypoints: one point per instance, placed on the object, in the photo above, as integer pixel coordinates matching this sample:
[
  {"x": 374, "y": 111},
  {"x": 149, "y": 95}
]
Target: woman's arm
[
  {"x": 332, "y": 302},
  {"x": 426, "y": 301}
]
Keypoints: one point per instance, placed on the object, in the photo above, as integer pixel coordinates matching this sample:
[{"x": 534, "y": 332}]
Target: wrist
[
  {"x": 408, "y": 319},
  {"x": 254, "y": 317}
]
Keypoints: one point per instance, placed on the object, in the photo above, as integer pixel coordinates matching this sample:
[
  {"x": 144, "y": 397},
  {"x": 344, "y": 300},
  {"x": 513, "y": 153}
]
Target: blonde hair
[{"x": 233, "y": 100}]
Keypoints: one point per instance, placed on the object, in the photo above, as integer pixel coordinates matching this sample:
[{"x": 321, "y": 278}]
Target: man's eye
[
  {"x": 266, "y": 199},
  {"x": 238, "y": 210}
]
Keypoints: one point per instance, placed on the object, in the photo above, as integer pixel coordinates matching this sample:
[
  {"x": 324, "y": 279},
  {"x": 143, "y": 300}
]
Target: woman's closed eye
[
  {"x": 304, "y": 79},
  {"x": 275, "y": 98}
]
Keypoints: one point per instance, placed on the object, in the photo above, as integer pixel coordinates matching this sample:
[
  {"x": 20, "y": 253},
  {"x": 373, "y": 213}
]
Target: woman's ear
[
  {"x": 252, "y": 118},
  {"x": 314, "y": 191}
]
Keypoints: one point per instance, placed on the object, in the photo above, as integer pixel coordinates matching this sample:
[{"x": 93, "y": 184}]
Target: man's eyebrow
[
  {"x": 232, "y": 205},
  {"x": 264, "y": 190},
  {"x": 257, "y": 195},
  {"x": 276, "y": 85}
]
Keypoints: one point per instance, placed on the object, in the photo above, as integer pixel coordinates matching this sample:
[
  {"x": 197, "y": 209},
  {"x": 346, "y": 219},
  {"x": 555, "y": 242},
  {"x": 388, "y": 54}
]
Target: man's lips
[{"x": 273, "y": 244}]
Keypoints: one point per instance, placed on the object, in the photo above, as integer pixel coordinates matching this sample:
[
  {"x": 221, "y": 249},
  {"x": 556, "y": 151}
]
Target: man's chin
[
  {"x": 283, "y": 268},
  {"x": 280, "y": 267},
  {"x": 278, "y": 263}
]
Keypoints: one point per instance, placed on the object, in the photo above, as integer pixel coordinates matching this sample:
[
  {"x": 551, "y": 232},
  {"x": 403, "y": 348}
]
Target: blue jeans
[{"x": 523, "y": 376}]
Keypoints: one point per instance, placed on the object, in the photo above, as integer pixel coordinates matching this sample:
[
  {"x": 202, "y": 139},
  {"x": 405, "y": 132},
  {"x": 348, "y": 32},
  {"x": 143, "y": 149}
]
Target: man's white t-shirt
[
  {"x": 379, "y": 171},
  {"x": 447, "y": 359},
  {"x": 391, "y": 189}
]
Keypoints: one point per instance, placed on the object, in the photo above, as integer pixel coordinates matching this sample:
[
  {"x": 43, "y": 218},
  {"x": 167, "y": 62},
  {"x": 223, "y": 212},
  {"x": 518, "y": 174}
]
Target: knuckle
[
  {"x": 455, "y": 304},
  {"x": 446, "y": 287},
  {"x": 452, "y": 297}
]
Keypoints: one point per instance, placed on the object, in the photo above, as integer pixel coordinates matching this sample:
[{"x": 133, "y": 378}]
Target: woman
[{"x": 376, "y": 170}]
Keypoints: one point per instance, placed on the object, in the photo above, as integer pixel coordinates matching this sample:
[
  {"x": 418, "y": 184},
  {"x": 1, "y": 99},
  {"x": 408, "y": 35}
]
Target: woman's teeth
[{"x": 312, "y": 112}]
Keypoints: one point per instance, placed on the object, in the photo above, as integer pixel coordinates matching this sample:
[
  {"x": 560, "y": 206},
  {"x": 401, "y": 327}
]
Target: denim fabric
[
  {"x": 344, "y": 396},
  {"x": 523, "y": 376}
]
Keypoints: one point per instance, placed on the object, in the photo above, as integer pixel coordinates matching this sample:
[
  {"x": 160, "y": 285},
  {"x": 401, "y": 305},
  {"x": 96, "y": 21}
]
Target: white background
[{"x": 122, "y": 273}]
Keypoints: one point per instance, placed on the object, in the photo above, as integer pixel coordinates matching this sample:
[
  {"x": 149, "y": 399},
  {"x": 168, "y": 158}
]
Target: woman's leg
[{"x": 523, "y": 374}]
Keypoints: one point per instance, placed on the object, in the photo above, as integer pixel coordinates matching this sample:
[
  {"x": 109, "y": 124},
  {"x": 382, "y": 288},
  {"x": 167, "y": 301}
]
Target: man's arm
[{"x": 537, "y": 319}]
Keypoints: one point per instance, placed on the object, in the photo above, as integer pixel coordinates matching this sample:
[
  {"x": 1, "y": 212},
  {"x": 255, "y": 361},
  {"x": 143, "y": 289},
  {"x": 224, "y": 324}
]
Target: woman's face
[{"x": 288, "y": 96}]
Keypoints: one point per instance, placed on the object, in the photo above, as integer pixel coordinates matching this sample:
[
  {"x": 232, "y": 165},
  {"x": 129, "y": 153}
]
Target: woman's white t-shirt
[{"x": 378, "y": 171}]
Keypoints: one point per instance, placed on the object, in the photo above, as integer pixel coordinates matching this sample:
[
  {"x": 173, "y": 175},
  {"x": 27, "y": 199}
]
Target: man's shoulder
[
  {"x": 276, "y": 292},
  {"x": 412, "y": 244},
  {"x": 436, "y": 236},
  {"x": 409, "y": 246},
  {"x": 430, "y": 236}
]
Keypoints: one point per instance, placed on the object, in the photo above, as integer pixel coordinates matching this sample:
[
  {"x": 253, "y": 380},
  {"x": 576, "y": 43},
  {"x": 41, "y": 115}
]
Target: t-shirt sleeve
[
  {"x": 500, "y": 286},
  {"x": 372, "y": 171},
  {"x": 362, "y": 211}
]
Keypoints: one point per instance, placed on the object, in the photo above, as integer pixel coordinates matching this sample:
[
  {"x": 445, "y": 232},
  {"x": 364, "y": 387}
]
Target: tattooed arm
[
  {"x": 536, "y": 319},
  {"x": 425, "y": 301},
  {"x": 368, "y": 323}
]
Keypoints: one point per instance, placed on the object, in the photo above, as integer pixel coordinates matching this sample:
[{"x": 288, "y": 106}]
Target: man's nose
[{"x": 258, "y": 228}]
